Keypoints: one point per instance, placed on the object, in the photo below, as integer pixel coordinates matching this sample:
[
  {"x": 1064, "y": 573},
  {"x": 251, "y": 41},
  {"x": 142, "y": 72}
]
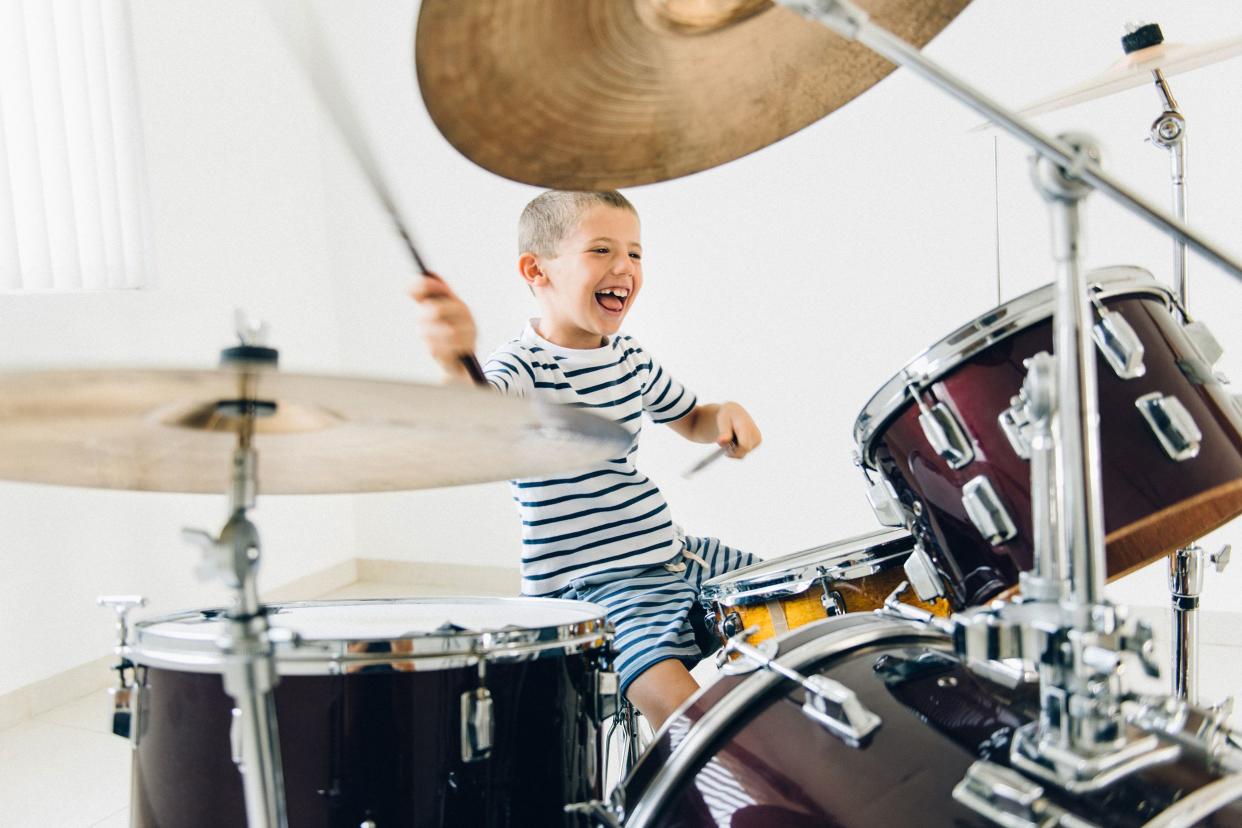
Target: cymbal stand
[
  {"x": 1074, "y": 637},
  {"x": 250, "y": 668},
  {"x": 1186, "y": 565}
]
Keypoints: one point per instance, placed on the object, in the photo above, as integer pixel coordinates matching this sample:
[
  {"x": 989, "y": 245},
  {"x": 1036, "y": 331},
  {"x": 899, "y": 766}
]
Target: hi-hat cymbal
[
  {"x": 613, "y": 93},
  {"x": 165, "y": 430},
  {"x": 1135, "y": 70}
]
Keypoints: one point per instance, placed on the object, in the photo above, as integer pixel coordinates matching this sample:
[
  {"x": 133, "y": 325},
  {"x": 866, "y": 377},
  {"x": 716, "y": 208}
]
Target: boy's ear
[{"x": 529, "y": 268}]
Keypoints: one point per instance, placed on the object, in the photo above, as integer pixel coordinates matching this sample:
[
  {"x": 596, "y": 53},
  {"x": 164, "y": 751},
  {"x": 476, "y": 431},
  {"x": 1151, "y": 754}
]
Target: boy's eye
[
  {"x": 600, "y": 250},
  {"x": 636, "y": 255}
]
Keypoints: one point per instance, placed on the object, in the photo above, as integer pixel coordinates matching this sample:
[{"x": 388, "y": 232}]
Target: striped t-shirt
[{"x": 608, "y": 516}]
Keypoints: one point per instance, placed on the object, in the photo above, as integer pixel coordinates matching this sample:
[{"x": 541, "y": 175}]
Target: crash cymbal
[
  {"x": 166, "y": 431},
  {"x": 1135, "y": 70},
  {"x": 612, "y": 93}
]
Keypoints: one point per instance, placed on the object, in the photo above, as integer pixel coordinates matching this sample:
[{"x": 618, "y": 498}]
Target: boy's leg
[{"x": 659, "y": 690}]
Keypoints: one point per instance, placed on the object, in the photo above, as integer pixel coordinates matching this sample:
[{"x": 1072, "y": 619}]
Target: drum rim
[
  {"x": 706, "y": 731},
  {"x": 426, "y": 651},
  {"x": 737, "y": 586},
  {"x": 995, "y": 325}
]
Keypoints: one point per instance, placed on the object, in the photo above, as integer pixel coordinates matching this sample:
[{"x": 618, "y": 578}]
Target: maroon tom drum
[
  {"x": 947, "y": 435},
  {"x": 745, "y": 753},
  {"x": 370, "y": 709}
]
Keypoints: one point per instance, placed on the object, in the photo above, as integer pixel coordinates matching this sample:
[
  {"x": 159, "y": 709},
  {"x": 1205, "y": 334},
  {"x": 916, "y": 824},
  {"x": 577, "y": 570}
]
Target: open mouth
[{"x": 612, "y": 299}]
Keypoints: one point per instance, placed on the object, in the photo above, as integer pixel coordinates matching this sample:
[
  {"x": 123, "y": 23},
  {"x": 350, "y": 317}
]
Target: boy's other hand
[
  {"x": 738, "y": 434},
  {"x": 447, "y": 326}
]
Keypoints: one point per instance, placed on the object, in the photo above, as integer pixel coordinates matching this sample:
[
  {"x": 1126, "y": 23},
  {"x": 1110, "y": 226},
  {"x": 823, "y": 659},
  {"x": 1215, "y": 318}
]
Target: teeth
[{"x": 618, "y": 292}]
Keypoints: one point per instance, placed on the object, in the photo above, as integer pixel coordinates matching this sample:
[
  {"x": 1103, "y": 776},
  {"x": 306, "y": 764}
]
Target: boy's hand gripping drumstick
[{"x": 332, "y": 98}]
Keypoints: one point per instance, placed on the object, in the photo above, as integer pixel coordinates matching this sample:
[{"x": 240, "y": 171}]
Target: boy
[{"x": 603, "y": 534}]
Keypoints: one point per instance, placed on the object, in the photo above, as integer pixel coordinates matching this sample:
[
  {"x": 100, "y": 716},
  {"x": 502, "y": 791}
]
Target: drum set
[{"x": 960, "y": 666}]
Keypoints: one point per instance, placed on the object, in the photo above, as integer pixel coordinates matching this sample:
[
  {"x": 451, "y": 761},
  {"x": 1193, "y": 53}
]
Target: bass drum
[
  {"x": 742, "y": 753},
  {"x": 370, "y": 714}
]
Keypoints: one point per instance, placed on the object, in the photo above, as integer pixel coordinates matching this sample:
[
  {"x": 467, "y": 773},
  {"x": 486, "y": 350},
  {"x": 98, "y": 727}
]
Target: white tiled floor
[{"x": 65, "y": 768}]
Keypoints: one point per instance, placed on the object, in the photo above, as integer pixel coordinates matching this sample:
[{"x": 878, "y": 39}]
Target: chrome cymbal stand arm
[
  {"x": 1169, "y": 131},
  {"x": 852, "y": 23},
  {"x": 250, "y": 668}
]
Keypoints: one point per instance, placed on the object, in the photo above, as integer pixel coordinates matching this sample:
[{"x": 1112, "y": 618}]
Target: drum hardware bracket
[
  {"x": 1010, "y": 799},
  {"x": 828, "y": 702},
  {"x": 1172, "y": 424},
  {"x": 127, "y": 697},
  {"x": 767, "y": 649},
  {"x": 1015, "y": 424},
  {"x": 894, "y": 607},
  {"x": 986, "y": 511},
  {"x": 922, "y": 574}
]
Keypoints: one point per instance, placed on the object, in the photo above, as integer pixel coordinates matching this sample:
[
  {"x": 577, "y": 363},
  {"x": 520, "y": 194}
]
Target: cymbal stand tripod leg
[{"x": 250, "y": 668}]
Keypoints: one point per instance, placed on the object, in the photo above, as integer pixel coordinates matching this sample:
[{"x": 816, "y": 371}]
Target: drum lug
[
  {"x": 833, "y": 601},
  {"x": 126, "y": 698},
  {"x": 1172, "y": 424},
  {"x": 837, "y": 708},
  {"x": 921, "y": 572},
  {"x": 236, "y": 740},
  {"x": 1006, "y": 797},
  {"x": 607, "y": 686},
  {"x": 477, "y": 725},
  {"x": 1119, "y": 344},
  {"x": 946, "y": 435},
  {"x": 883, "y": 499},
  {"x": 986, "y": 511},
  {"x": 731, "y": 625},
  {"x": 1015, "y": 422}
]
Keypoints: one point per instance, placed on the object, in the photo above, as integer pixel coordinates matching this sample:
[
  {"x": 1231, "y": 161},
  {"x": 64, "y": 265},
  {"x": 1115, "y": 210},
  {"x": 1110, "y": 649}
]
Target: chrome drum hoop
[
  {"x": 798, "y": 572},
  {"x": 982, "y": 332},
  {"x": 437, "y": 649},
  {"x": 858, "y": 631}
]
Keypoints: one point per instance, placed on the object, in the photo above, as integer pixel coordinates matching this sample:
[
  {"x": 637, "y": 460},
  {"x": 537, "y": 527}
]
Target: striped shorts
[{"x": 650, "y": 606}]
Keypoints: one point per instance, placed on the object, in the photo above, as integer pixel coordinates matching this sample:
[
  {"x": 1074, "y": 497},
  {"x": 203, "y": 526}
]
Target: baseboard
[
  {"x": 442, "y": 578},
  {"x": 27, "y": 702},
  {"x": 309, "y": 587},
  {"x": 47, "y": 694}
]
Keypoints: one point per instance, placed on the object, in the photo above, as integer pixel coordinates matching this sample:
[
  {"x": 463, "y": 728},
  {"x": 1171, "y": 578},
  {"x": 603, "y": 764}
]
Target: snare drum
[
  {"x": 746, "y": 753},
  {"x": 780, "y": 594},
  {"x": 947, "y": 436},
  {"x": 370, "y": 709}
]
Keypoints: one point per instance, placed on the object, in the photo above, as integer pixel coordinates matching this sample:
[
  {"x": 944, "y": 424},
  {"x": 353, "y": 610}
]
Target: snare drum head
[
  {"x": 850, "y": 558},
  {"x": 316, "y": 635}
]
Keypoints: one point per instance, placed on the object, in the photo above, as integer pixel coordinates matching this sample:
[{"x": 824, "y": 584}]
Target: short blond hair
[{"x": 553, "y": 215}]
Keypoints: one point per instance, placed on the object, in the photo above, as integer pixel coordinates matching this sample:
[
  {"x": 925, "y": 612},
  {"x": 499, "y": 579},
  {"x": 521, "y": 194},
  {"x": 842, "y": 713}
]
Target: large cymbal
[
  {"x": 162, "y": 430},
  {"x": 612, "y": 93}
]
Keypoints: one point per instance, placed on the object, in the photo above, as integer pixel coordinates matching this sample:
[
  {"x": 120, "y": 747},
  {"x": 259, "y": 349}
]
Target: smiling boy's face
[{"x": 586, "y": 290}]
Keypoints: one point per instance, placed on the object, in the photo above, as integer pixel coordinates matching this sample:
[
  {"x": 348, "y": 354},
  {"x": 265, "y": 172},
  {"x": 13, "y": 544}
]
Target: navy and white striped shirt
[{"x": 608, "y": 516}]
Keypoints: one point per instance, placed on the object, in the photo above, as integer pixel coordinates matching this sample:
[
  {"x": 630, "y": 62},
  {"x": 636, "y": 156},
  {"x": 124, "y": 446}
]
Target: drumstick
[
  {"x": 719, "y": 452},
  {"x": 325, "y": 82}
]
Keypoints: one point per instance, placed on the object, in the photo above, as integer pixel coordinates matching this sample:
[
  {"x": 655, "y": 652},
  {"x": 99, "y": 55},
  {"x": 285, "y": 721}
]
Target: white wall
[
  {"x": 238, "y": 217},
  {"x": 800, "y": 278},
  {"x": 796, "y": 280}
]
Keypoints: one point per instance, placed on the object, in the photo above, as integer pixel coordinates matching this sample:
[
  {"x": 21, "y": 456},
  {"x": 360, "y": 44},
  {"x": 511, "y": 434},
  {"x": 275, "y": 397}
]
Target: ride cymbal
[
  {"x": 175, "y": 431},
  {"x": 614, "y": 93}
]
